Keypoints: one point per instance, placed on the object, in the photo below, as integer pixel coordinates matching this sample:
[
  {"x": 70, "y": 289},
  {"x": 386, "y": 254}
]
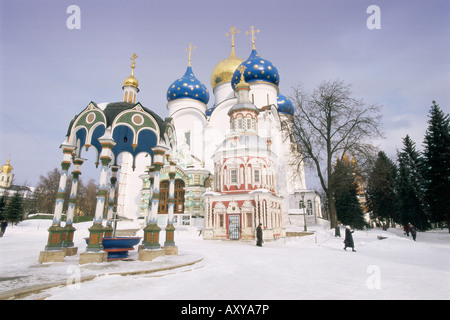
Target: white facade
[{"x": 200, "y": 130}]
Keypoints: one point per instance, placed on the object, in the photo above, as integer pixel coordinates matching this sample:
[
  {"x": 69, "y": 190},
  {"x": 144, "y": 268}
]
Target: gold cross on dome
[
  {"x": 241, "y": 69},
  {"x": 233, "y": 31},
  {"x": 133, "y": 58},
  {"x": 189, "y": 50},
  {"x": 133, "y": 62},
  {"x": 252, "y": 31}
]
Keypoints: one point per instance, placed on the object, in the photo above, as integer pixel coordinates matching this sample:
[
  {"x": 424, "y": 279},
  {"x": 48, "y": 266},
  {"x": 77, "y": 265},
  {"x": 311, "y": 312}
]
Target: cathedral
[
  {"x": 218, "y": 164},
  {"x": 231, "y": 153}
]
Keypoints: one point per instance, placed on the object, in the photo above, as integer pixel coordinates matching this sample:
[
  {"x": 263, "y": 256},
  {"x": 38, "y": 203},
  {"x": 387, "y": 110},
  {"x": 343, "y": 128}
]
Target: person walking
[
  {"x": 412, "y": 229},
  {"x": 259, "y": 236},
  {"x": 348, "y": 241},
  {"x": 4, "y": 224},
  {"x": 406, "y": 229}
]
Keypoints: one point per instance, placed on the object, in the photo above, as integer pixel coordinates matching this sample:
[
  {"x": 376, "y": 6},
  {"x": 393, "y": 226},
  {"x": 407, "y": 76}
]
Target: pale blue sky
[{"x": 50, "y": 73}]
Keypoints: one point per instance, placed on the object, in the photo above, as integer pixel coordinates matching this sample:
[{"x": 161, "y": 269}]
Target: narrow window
[
  {"x": 234, "y": 176},
  {"x": 257, "y": 179},
  {"x": 187, "y": 138},
  {"x": 240, "y": 123}
]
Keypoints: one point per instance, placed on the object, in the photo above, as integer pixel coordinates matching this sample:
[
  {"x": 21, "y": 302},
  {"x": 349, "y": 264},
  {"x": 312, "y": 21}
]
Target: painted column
[
  {"x": 55, "y": 232},
  {"x": 170, "y": 229},
  {"x": 151, "y": 231},
  {"x": 151, "y": 174},
  {"x": 97, "y": 230},
  {"x": 69, "y": 229},
  {"x": 112, "y": 207}
]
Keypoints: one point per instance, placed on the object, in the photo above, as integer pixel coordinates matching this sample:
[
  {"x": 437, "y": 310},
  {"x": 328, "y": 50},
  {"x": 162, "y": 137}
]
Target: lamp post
[{"x": 304, "y": 214}]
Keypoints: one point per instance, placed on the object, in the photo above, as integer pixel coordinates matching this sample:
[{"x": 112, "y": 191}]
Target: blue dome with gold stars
[
  {"x": 257, "y": 69},
  {"x": 209, "y": 111},
  {"x": 285, "y": 105},
  {"x": 188, "y": 86}
]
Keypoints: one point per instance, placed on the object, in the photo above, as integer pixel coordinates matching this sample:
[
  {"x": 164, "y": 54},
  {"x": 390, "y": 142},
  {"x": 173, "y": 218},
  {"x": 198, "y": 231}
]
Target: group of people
[
  {"x": 409, "y": 228},
  {"x": 348, "y": 241}
]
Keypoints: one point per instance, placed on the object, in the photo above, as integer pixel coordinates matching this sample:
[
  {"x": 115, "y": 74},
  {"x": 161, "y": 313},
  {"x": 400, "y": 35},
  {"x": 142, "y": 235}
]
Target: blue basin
[
  {"x": 118, "y": 247},
  {"x": 120, "y": 242}
]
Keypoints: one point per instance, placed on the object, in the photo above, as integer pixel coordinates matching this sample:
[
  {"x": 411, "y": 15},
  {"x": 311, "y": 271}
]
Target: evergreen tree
[
  {"x": 348, "y": 207},
  {"x": 14, "y": 209},
  {"x": 382, "y": 196},
  {"x": 411, "y": 186},
  {"x": 437, "y": 165},
  {"x": 2, "y": 207}
]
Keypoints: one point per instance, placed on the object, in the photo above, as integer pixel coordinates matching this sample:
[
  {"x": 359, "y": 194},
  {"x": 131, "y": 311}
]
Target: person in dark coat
[
  {"x": 259, "y": 236},
  {"x": 406, "y": 229},
  {"x": 4, "y": 224},
  {"x": 348, "y": 241},
  {"x": 412, "y": 229}
]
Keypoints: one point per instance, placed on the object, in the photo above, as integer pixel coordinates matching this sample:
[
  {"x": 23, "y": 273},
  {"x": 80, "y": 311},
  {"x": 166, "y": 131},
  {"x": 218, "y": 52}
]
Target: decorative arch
[{"x": 93, "y": 121}]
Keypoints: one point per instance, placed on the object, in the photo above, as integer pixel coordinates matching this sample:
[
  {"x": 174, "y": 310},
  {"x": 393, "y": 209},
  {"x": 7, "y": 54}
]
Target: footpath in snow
[{"x": 309, "y": 267}]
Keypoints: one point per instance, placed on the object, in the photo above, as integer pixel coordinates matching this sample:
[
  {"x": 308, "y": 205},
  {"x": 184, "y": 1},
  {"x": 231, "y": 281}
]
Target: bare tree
[
  {"x": 87, "y": 198},
  {"x": 47, "y": 190},
  {"x": 328, "y": 123}
]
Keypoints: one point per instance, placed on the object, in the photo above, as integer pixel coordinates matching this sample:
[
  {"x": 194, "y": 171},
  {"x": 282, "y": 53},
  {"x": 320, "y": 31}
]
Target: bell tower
[{"x": 6, "y": 175}]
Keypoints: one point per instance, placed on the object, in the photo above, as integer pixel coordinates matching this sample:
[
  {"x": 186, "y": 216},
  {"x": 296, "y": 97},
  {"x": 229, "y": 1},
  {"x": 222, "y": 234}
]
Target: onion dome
[
  {"x": 131, "y": 80},
  {"x": 188, "y": 87},
  {"x": 223, "y": 71},
  {"x": 257, "y": 70},
  {"x": 285, "y": 105},
  {"x": 7, "y": 168},
  {"x": 209, "y": 111}
]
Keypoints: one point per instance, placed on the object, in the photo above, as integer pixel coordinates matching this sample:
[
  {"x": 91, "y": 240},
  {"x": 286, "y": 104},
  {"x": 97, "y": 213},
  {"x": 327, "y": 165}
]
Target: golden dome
[
  {"x": 223, "y": 72},
  {"x": 131, "y": 81},
  {"x": 7, "y": 168}
]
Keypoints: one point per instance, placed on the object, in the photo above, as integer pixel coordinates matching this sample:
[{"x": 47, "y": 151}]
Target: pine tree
[
  {"x": 411, "y": 186},
  {"x": 382, "y": 195},
  {"x": 2, "y": 207},
  {"x": 14, "y": 209},
  {"x": 437, "y": 165},
  {"x": 348, "y": 207}
]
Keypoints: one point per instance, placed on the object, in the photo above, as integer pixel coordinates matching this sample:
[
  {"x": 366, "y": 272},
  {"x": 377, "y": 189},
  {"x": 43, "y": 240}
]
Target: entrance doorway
[
  {"x": 234, "y": 227},
  {"x": 164, "y": 197}
]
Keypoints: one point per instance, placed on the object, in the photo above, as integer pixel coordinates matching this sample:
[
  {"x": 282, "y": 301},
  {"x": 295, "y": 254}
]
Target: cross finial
[
  {"x": 233, "y": 31},
  {"x": 189, "y": 50},
  {"x": 241, "y": 69},
  {"x": 133, "y": 63},
  {"x": 253, "y": 31}
]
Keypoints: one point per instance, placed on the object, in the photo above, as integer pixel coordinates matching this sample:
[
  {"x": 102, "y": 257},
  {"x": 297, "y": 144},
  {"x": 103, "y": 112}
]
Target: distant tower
[{"x": 6, "y": 175}]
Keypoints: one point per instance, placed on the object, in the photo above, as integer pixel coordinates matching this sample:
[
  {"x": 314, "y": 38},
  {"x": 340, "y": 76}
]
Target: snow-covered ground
[{"x": 310, "y": 267}]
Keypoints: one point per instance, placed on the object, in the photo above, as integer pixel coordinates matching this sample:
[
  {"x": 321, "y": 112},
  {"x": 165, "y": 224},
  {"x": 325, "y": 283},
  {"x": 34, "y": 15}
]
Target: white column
[{"x": 59, "y": 203}]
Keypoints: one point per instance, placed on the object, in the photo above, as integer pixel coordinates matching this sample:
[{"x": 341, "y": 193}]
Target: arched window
[
  {"x": 179, "y": 196},
  {"x": 309, "y": 208},
  {"x": 240, "y": 124},
  {"x": 163, "y": 197},
  {"x": 249, "y": 123}
]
